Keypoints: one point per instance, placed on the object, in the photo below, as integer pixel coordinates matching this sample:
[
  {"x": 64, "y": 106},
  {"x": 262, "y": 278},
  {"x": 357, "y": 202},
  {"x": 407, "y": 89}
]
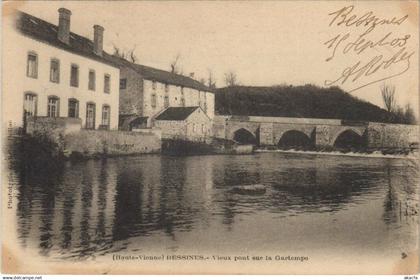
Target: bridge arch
[
  {"x": 295, "y": 139},
  {"x": 244, "y": 136},
  {"x": 349, "y": 138}
]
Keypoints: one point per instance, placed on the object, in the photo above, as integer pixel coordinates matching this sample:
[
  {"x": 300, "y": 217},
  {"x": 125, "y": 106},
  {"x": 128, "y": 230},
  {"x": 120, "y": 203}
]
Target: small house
[{"x": 184, "y": 123}]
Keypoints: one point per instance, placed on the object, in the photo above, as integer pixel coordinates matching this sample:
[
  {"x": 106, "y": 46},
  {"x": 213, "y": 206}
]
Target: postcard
[{"x": 210, "y": 137}]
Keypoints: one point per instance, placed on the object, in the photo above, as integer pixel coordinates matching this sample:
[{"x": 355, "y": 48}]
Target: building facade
[
  {"x": 146, "y": 92},
  {"x": 52, "y": 72},
  {"x": 184, "y": 123}
]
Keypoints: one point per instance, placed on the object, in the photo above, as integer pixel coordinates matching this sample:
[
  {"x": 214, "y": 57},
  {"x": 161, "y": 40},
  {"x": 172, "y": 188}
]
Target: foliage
[{"x": 307, "y": 101}]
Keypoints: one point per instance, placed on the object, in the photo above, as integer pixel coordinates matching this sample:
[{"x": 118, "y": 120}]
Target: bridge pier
[
  {"x": 267, "y": 134},
  {"x": 323, "y": 136}
]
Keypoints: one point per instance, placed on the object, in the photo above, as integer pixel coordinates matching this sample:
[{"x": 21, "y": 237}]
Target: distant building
[
  {"x": 145, "y": 92},
  {"x": 52, "y": 72},
  {"x": 186, "y": 123}
]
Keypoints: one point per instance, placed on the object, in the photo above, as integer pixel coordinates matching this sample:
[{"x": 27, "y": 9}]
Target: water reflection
[{"x": 91, "y": 208}]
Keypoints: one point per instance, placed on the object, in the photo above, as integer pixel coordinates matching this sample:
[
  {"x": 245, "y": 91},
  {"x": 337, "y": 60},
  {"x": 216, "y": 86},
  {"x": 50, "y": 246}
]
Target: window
[
  {"x": 203, "y": 129},
  {"x": 29, "y": 105},
  {"x": 166, "y": 101},
  {"x": 182, "y": 90},
  {"x": 183, "y": 102},
  {"x": 73, "y": 111},
  {"x": 153, "y": 102},
  {"x": 32, "y": 65},
  {"x": 53, "y": 107},
  {"x": 153, "y": 84},
  {"x": 106, "y": 115},
  {"x": 92, "y": 80},
  {"x": 90, "y": 115},
  {"x": 123, "y": 83},
  {"x": 74, "y": 75},
  {"x": 166, "y": 88},
  {"x": 55, "y": 71},
  {"x": 193, "y": 127},
  {"x": 107, "y": 80}
]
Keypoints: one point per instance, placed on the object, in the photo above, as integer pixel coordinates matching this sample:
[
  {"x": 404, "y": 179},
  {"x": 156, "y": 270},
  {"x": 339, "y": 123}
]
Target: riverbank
[
  {"x": 375, "y": 154},
  {"x": 104, "y": 144}
]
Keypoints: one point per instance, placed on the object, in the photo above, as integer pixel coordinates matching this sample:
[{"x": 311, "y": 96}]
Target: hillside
[{"x": 298, "y": 101}]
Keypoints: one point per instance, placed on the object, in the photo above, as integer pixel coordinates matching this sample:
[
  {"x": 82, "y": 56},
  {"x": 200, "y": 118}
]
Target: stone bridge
[{"x": 279, "y": 131}]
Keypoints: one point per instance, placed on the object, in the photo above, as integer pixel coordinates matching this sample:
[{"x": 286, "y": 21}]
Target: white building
[
  {"x": 52, "y": 72},
  {"x": 145, "y": 92}
]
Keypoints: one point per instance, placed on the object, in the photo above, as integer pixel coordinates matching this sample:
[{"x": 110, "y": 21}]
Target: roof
[
  {"x": 176, "y": 113},
  {"x": 46, "y": 32},
  {"x": 165, "y": 77}
]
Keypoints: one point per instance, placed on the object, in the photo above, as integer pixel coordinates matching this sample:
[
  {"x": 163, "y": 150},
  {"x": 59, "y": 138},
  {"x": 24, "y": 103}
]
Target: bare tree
[
  {"x": 127, "y": 55},
  {"x": 211, "y": 81},
  {"x": 175, "y": 64},
  {"x": 388, "y": 97},
  {"x": 230, "y": 79},
  {"x": 133, "y": 57}
]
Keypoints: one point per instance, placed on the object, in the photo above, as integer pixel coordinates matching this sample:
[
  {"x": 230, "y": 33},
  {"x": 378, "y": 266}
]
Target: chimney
[
  {"x": 64, "y": 25},
  {"x": 98, "y": 39},
  {"x": 192, "y": 75}
]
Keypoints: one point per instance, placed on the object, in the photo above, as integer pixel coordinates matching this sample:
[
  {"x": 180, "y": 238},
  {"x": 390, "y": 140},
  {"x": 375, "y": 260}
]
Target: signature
[
  {"x": 354, "y": 45},
  {"x": 377, "y": 63}
]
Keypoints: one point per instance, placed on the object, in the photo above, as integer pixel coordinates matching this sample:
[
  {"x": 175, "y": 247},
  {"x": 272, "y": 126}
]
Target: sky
[{"x": 264, "y": 43}]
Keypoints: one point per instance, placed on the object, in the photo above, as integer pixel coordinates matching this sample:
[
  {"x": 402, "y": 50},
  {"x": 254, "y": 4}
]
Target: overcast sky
[{"x": 265, "y": 43}]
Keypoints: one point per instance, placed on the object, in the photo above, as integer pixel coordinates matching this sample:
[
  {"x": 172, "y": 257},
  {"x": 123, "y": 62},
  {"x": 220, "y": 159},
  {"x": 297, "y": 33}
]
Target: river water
[{"x": 315, "y": 205}]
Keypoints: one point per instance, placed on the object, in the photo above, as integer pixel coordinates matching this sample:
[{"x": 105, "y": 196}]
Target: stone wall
[
  {"x": 52, "y": 126},
  {"x": 89, "y": 143},
  {"x": 266, "y": 134},
  {"x": 131, "y": 97},
  {"x": 381, "y": 135},
  {"x": 219, "y": 126},
  {"x": 172, "y": 129}
]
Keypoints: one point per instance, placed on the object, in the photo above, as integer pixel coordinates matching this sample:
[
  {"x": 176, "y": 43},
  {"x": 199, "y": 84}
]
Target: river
[{"x": 315, "y": 205}]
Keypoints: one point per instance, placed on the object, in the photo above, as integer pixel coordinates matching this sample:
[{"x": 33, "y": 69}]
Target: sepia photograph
[{"x": 210, "y": 137}]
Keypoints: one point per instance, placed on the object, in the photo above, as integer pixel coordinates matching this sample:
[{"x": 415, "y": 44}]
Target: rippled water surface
[{"x": 313, "y": 203}]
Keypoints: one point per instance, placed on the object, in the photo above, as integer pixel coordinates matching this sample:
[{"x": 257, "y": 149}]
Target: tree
[
  {"x": 409, "y": 116},
  {"x": 388, "y": 97},
  {"x": 230, "y": 79},
  {"x": 399, "y": 114},
  {"x": 127, "y": 55},
  {"x": 175, "y": 64},
  {"x": 211, "y": 81}
]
